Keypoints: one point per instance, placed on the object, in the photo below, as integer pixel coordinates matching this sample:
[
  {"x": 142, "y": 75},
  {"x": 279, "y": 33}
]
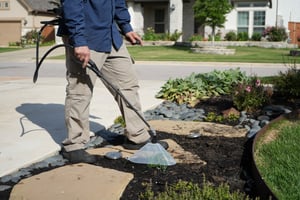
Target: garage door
[{"x": 10, "y": 31}]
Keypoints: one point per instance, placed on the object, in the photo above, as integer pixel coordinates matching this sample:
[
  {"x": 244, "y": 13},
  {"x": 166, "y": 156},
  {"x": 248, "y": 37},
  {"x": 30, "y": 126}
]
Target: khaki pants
[{"x": 117, "y": 68}]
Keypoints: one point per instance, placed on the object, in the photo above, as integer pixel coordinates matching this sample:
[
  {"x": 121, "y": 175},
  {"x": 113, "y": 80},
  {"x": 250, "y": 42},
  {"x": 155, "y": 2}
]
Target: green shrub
[
  {"x": 196, "y": 38},
  {"x": 150, "y": 35},
  {"x": 183, "y": 190},
  {"x": 243, "y": 36},
  {"x": 30, "y": 37},
  {"x": 231, "y": 36},
  {"x": 256, "y": 37},
  {"x": 287, "y": 84},
  {"x": 217, "y": 38},
  {"x": 275, "y": 34},
  {"x": 174, "y": 36}
]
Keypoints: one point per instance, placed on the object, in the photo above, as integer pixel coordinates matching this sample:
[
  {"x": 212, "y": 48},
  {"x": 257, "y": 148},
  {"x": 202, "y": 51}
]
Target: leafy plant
[
  {"x": 196, "y": 38},
  {"x": 250, "y": 95},
  {"x": 120, "y": 120},
  {"x": 256, "y": 37},
  {"x": 174, "y": 36},
  {"x": 183, "y": 190},
  {"x": 150, "y": 35},
  {"x": 198, "y": 87},
  {"x": 243, "y": 36}
]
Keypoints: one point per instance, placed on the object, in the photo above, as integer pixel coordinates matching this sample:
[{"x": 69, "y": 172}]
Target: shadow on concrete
[{"x": 49, "y": 117}]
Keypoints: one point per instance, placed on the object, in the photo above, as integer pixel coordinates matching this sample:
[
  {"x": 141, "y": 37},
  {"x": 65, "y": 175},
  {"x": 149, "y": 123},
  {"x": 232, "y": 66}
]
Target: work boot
[
  {"x": 78, "y": 156},
  {"x": 134, "y": 146}
]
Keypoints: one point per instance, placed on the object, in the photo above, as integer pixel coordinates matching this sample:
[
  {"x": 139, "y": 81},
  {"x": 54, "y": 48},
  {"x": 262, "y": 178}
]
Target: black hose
[{"x": 92, "y": 66}]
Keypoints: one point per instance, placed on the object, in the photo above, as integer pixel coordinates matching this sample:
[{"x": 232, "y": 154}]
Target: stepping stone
[{"x": 80, "y": 181}]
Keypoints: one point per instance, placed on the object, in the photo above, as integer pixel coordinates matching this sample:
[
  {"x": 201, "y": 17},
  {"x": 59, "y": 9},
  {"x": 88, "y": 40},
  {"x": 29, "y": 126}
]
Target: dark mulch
[
  {"x": 222, "y": 154},
  {"x": 223, "y": 157}
]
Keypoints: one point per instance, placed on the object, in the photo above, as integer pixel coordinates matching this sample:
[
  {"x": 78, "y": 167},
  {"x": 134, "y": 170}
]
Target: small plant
[
  {"x": 256, "y": 37},
  {"x": 150, "y": 35},
  {"x": 250, "y": 95},
  {"x": 211, "y": 117},
  {"x": 196, "y": 38},
  {"x": 231, "y": 36},
  {"x": 243, "y": 36},
  {"x": 120, "y": 120},
  {"x": 174, "y": 36},
  {"x": 183, "y": 190}
]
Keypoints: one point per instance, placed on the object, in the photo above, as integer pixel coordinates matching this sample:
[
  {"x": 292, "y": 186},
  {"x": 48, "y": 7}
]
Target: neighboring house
[
  {"x": 167, "y": 16},
  {"x": 164, "y": 16},
  {"x": 17, "y": 17}
]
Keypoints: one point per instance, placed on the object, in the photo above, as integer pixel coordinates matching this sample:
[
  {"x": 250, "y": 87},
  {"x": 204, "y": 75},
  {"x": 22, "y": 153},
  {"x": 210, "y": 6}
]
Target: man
[{"x": 94, "y": 29}]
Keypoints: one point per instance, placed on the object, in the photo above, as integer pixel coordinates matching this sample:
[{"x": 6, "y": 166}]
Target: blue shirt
[{"x": 98, "y": 24}]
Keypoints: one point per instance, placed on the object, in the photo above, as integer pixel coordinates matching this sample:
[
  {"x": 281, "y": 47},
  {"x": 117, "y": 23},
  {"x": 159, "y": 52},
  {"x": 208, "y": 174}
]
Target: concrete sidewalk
[{"x": 32, "y": 115}]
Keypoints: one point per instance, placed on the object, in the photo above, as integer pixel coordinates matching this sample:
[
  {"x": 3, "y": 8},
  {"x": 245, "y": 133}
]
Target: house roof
[
  {"x": 270, "y": 1},
  {"x": 37, "y": 6}
]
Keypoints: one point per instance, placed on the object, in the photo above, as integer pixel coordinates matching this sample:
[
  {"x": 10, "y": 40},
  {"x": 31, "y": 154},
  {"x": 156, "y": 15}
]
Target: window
[
  {"x": 260, "y": 4},
  {"x": 243, "y": 4},
  {"x": 159, "y": 21},
  {"x": 243, "y": 21},
  {"x": 259, "y": 21},
  {"x": 4, "y": 5}
]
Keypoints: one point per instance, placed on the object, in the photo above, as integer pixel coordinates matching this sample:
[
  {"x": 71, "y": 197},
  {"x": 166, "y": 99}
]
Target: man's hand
[
  {"x": 134, "y": 38},
  {"x": 83, "y": 54}
]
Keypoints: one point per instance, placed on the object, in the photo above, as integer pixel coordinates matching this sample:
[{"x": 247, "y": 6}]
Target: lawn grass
[
  {"x": 277, "y": 158},
  {"x": 179, "y": 53},
  {"x": 8, "y": 49}
]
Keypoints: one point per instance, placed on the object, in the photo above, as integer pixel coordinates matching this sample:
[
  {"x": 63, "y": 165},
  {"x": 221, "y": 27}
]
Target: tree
[{"x": 212, "y": 13}]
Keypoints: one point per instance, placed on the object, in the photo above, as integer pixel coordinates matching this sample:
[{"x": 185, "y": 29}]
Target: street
[{"x": 145, "y": 70}]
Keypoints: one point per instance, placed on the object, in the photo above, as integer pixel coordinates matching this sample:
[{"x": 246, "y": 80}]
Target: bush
[
  {"x": 287, "y": 83},
  {"x": 250, "y": 95},
  {"x": 256, "y": 37},
  {"x": 196, "y": 38},
  {"x": 243, "y": 36},
  {"x": 174, "y": 36},
  {"x": 150, "y": 35},
  {"x": 30, "y": 37},
  {"x": 231, "y": 36},
  {"x": 275, "y": 34}
]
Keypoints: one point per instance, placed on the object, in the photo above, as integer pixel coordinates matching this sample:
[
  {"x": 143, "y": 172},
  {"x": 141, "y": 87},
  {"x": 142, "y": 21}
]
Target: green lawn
[
  {"x": 8, "y": 49},
  {"x": 243, "y": 54},
  {"x": 178, "y": 53},
  {"x": 277, "y": 157}
]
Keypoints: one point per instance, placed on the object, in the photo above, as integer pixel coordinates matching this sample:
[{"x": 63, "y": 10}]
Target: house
[
  {"x": 167, "y": 16},
  {"x": 17, "y": 17}
]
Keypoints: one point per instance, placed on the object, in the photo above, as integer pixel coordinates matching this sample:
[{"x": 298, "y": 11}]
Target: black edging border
[{"x": 260, "y": 188}]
